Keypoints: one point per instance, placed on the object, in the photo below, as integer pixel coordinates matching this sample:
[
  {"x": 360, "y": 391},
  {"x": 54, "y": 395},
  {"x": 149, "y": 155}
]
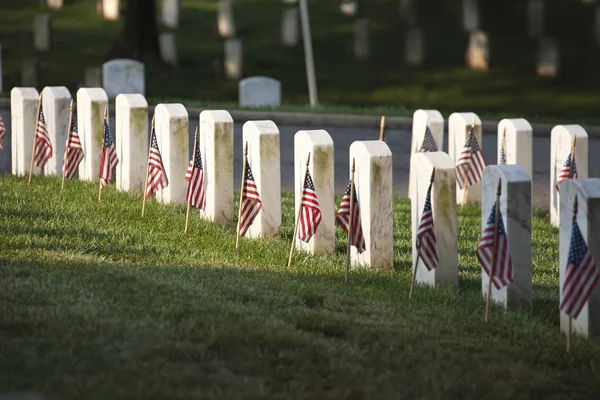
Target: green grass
[
  {"x": 509, "y": 88},
  {"x": 97, "y": 302}
]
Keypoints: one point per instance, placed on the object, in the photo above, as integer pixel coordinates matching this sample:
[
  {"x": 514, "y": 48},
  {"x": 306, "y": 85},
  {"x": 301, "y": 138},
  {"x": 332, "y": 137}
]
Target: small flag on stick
[
  {"x": 470, "y": 164},
  {"x": 194, "y": 174},
  {"x": 73, "y": 150},
  {"x": 502, "y": 160},
  {"x": 108, "y": 159},
  {"x": 2, "y": 131},
  {"x": 250, "y": 204},
  {"x": 43, "y": 146},
  {"x": 305, "y": 229},
  {"x": 569, "y": 169},
  {"x": 157, "y": 176},
  {"x": 429, "y": 144}
]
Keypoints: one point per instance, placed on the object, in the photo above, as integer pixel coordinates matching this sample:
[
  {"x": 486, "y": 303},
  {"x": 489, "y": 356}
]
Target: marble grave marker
[
  {"x": 362, "y": 28},
  {"x": 422, "y": 119},
  {"x": 459, "y": 125},
  {"x": 91, "y": 103},
  {"x": 234, "y": 58},
  {"x": 225, "y": 19},
  {"x": 123, "y": 75},
  {"x": 518, "y": 143},
  {"x": 42, "y": 32},
  {"x": 260, "y": 91},
  {"x": 56, "y": 101},
  {"x": 132, "y": 140},
  {"x": 290, "y": 27},
  {"x": 23, "y": 114}
]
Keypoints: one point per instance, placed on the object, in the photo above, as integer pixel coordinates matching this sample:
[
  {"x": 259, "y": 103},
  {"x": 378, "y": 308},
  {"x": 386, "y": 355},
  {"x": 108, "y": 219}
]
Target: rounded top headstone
[
  {"x": 171, "y": 110},
  {"x": 317, "y": 137},
  {"x": 434, "y": 115},
  {"x": 92, "y": 94},
  {"x": 435, "y": 159},
  {"x": 261, "y": 127},
  {"x": 131, "y": 100},
  {"x": 570, "y": 130},
  {"x": 215, "y": 116},
  {"x": 519, "y": 124},
  {"x": 377, "y": 148},
  {"x": 465, "y": 117},
  {"x": 21, "y": 93},
  {"x": 508, "y": 173},
  {"x": 56, "y": 92}
]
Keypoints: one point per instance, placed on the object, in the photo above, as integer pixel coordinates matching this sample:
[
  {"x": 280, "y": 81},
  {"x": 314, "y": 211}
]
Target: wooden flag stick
[
  {"x": 237, "y": 238},
  {"x": 570, "y": 321},
  {"x": 350, "y": 222},
  {"x": 148, "y": 169},
  {"x": 465, "y": 188},
  {"x": 494, "y": 251},
  {"x": 100, "y": 185},
  {"x": 62, "y": 185},
  {"x": 187, "y": 213},
  {"x": 299, "y": 212},
  {"x": 572, "y": 156},
  {"x": 382, "y": 128},
  {"x": 416, "y": 262},
  {"x": 37, "y": 118}
]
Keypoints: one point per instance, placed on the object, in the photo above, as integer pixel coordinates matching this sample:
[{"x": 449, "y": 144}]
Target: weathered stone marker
[
  {"x": 91, "y": 103},
  {"x": 170, "y": 13},
  {"x": 548, "y": 58},
  {"x": 373, "y": 183},
  {"x": 167, "y": 43},
  {"x": 131, "y": 140},
  {"x": 478, "y": 53},
  {"x": 23, "y": 114},
  {"x": 443, "y": 206},
  {"x": 42, "y": 32},
  {"x": 123, "y": 76},
  {"x": 260, "y": 91},
  {"x": 225, "y": 18},
  {"x": 290, "y": 27},
  {"x": 321, "y": 168},
  {"x": 421, "y": 120},
  {"x": 515, "y": 207},
  {"x": 414, "y": 47},
  {"x": 515, "y": 136},
  {"x": 362, "y": 28},
  {"x": 459, "y": 125},
  {"x": 234, "y": 58},
  {"x": 56, "y": 101},
  {"x": 264, "y": 159}
]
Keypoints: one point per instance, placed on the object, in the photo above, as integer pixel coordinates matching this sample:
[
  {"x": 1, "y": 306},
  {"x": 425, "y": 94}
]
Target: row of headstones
[{"x": 373, "y": 179}]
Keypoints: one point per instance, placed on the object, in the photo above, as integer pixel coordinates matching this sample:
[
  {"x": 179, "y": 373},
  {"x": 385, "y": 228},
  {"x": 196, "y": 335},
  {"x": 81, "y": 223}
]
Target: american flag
[
  {"x": 109, "y": 159},
  {"x": 310, "y": 213},
  {"x": 470, "y": 163},
  {"x": 251, "y": 203},
  {"x": 503, "y": 271},
  {"x": 428, "y": 142},
  {"x": 426, "y": 235},
  {"x": 343, "y": 218},
  {"x": 157, "y": 176},
  {"x": 74, "y": 153},
  {"x": 565, "y": 172},
  {"x": 2, "y": 131},
  {"x": 43, "y": 146},
  {"x": 196, "y": 195},
  {"x": 503, "y": 152},
  {"x": 581, "y": 275}
]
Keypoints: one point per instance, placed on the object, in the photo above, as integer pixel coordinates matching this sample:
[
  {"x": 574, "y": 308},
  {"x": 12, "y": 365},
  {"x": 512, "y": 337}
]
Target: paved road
[{"x": 399, "y": 142}]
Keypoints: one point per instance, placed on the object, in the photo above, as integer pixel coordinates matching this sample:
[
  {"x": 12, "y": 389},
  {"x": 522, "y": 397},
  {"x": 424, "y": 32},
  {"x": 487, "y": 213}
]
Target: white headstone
[
  {"x": 597, "y": 25},
  {"x": 560, "y": 147},
  {"x": 260, "y": 91},
  {"x": 91, "y": 103},
  {"x": 131, "y": 140},
  {"x": 42, "y": 32},
  {"x": 167, "y": 42},
  {"x": 535, "y": 12},
  {"x": 548, "y": 58},
  {"x": 362, "y": 28},
  {"x": 225, "y": 18},
  {"x": 459, "y": 125},
  {"x": 443, "y": 207},
  {"x": 170, "y": 13},
  {"x": 478, "y": 53},
  {"x": 321, "y": 167},
  {"x": 470, "y": 15},
  {"x": 216, "y": 148},
  {"x": 518, "y": 143},
  {"x": 290, "y": 27},
  {"x": 172, "y": 134},
  {"x": 587, "y": 191},
  {"x": 234, "y": 58},
  {"x": 263, "y": 156},
  {"x": 349, "y": 7},
  {"x": 23, "y": 114},
  {"x": 413, "y": 48},
  {"x": 56, "y": 101},
  {"x": 373, "y": 181},
  {"x": 515, "y": 206},
  {"x": 436, "y": 126},
  {"x": 110, "y": 9},
  {"x": 123, "y": 76}
]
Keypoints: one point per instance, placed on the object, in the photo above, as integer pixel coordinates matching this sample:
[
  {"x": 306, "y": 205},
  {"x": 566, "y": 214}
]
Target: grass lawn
[
  {"x": 97, "y": 302},
  {"x": 509, "y": 88}
]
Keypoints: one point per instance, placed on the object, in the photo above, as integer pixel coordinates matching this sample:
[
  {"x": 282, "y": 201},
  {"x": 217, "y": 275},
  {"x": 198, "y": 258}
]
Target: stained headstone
[
  {"x": 478, "y": 52},
  {"x": 535, "y": 11},
  {"x": 23, "y": 114},
  {"x": 264, "y": 159},
  {"x": 93, "y": 77},
  {"x": 459, "y": 125},
  {"x": 131, "y": 141},
  {"x": 260, "y": 91},
  {"x": 172, "y": 124},
  {"x": 515, "y": 207},
  {"x": 587, "y": 192},
  {"x": 349, "y": 7},
  {"x": 413, "y": 48},
  {"x": 234, "y": 58},
  {"x": 30, "y": 72},
  {"x": 290, "y": 27},
  {"x": 123, "y": 76},
  {"x": 470, "y": 15},
  {"x": 321, "y": 167},
  {"x": 421, "y": 120},
  {"x": 548, "y": 58},
  {"x": 42, "y": 32},
  {"x": 443, "y": 208},
  {"x": 518, "y": 143},
  {"x": 91, "y": 103},
  {"x": 225, "y": 18},
  {"x": 110, "y": 9},
  {"x": 56, "y": 102},
  {"x": 216, "y": 148},
  {"x": 362, "y": 28},
  {"x": 373, "y": 181},
  {"x": 561, "y": 139},
  {"x": 170, "y": 13},
  {"x": 167, "y": 42}
]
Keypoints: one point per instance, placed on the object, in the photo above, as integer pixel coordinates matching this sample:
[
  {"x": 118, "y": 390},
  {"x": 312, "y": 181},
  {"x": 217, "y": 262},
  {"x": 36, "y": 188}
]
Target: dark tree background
[{"x": 139, "y": 32}]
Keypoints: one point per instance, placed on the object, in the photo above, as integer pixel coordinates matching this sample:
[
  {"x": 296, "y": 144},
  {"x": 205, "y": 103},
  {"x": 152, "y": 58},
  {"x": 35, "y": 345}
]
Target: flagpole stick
[
  {"x": 62, "y": 185},
  {"x": 237, "y": 238},
  {"x": 148, "y": 169},
  {"x": 37, "y": 118},
  {"x": 465, "y": 190},
  {"x": 299, "y": 213},
  {"x": 570, "y": 321},
  {"x": 187, "y": 213},
  {"x": 381, "y": 127},
  {"x": 350, "y": 222},
  {"x": 572, "y": 156},
  {"x": 494, "y": 251},
  {"x": 100, "y": 185},
  {"x": 416, "y": 262}
]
